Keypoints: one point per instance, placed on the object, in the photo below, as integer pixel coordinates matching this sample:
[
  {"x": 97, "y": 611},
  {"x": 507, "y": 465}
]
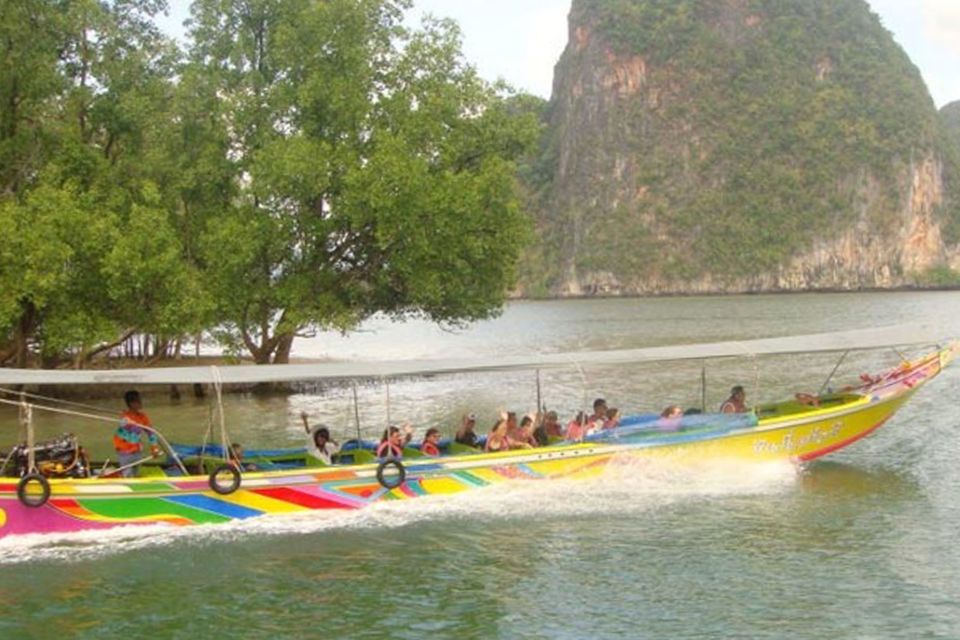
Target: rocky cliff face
[{"x": 740, "y": 145}]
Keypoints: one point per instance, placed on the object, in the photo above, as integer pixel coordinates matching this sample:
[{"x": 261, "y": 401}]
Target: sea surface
[{"x": 863, "y": 544}]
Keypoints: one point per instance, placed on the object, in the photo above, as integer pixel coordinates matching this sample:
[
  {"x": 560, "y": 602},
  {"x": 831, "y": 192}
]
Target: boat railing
[{"x": 26, "y": 421}]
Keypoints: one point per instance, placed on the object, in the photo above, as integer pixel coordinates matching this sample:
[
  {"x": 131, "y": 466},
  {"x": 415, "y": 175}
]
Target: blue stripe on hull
[{"x": 215, "y": 506}]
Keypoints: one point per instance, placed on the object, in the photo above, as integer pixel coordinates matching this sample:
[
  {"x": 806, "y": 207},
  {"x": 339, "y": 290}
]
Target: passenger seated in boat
[
  {"x": 127, "y": 438},
  {"x": 498, "y": 439},
  {"x": 670, "y": 418},
  {"x": 431, "y": 443},
  {"x": 551, "y": 425},
  {"x": 599, "y": 416},
  {"x": 236, "y": 458},
  {"x": 736, "y": 403},
  {"x": 540, "y": 433},
  {"x": 613, "y": 418},
  {"x": 577, "y": 428},
  {"x": 393, "y": 440},
  {"x": 319, "y": 443},
  {"x": 809, "y": 399},
  {"x": 526, "y": 432},
  {"x": 465, "y": 434},
  {"x": 513, "y": 429}
]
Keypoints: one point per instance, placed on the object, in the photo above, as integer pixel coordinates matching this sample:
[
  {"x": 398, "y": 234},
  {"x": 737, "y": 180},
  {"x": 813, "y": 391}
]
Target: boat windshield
[{"x": 652, "y": 425}]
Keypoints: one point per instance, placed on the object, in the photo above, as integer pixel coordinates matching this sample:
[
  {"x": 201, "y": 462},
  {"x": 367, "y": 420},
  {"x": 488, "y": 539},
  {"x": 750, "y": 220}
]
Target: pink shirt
[{"x": 575, "y": 430}]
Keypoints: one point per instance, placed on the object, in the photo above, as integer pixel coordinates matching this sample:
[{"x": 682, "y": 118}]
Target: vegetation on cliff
[
  {"x": 299, "y": 165},
  {"x": 694, "y": 141},
  {"x": 950, "y": 115}
]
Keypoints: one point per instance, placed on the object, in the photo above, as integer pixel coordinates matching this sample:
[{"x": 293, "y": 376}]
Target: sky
[{"x": 521, "y": 40}]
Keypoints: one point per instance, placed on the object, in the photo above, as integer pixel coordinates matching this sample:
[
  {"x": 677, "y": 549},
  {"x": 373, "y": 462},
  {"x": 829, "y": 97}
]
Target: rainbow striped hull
[{"x": 786, "y": 431}]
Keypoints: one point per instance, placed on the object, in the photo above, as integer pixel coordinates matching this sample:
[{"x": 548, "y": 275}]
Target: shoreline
[
  {"x": 176, "y": 391},
  {"x": 720, "y": 294}
]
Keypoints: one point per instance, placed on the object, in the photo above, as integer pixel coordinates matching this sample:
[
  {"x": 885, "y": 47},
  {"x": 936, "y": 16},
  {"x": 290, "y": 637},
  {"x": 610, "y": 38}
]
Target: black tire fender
[
  {"x": 33, "y": 501},
  {"x": 395, "y": 482},
  {"x": 227, "y": 489}
]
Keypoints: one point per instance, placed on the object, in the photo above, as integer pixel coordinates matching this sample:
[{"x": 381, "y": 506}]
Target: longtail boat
[{"x": 797, "y": 429}]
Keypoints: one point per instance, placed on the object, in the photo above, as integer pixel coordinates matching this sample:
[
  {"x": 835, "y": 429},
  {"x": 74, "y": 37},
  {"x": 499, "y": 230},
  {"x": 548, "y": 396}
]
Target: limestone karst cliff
[{"x": 739, "y": 145}]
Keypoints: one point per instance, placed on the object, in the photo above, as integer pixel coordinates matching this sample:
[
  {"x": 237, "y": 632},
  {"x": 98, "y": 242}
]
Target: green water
[{"x": 861, "y": 545}]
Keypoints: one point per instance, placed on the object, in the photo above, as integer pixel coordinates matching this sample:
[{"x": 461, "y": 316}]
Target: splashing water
[{"x": 629, "y": 487}]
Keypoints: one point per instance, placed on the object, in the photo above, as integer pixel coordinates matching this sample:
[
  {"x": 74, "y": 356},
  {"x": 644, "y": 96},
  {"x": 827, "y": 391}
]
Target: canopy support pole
[
  {"x": 830, "y": 377},
  {"x": 356, "y": 410},
  {"x": 583, "y": 380},
  {"x": 387, "y": 383},
  {"x": 540, "y": 406},
  {"x": 703, "y": 389}
]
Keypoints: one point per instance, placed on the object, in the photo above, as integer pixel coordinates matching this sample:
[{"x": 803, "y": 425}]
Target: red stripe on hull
[
  {"x": 840, "y": 445},
  {"x": 299, "y": 498}
]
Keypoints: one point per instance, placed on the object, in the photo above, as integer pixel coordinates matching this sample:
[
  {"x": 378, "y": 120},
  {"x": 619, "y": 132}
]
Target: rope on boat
[
  {"x": 834, "y": 371},
  {"x": 37, "y": 396},
  {"x": 218, "y": 388},
  {"x": 26, "y": 421},
  {"x": 207, "y": 434},
  {"x": 583, "y": 380}
]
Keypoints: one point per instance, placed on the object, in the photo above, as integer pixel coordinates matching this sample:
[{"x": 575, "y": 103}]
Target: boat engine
[{"x": 61, "y": 457}]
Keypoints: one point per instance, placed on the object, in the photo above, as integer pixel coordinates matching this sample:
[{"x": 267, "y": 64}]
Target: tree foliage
[
  {"x": 375, "y": 170},
  {"x": 299, "y": 165}
]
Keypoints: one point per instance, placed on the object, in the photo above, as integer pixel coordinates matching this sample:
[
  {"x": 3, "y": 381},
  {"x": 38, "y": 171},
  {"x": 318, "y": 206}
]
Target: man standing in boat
[{"x": 128, "y": 436}]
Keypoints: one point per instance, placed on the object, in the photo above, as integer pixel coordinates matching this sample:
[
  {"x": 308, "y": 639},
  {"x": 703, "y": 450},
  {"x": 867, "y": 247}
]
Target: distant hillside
[
  {"x": 739, "y": 145},
  {"x": 950, "y": 115}
]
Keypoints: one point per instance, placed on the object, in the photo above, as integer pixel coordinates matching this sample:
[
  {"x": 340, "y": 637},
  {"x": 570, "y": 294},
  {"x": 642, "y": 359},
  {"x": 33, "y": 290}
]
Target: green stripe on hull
[
  {"x": 151, "y": 487},
  {"x": 470, "y": 479},
  {"x": 147, "y": 508}
]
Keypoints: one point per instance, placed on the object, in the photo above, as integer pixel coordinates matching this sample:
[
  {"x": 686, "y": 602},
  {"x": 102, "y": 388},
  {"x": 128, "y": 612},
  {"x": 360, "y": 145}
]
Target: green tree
[
  {"x": 85, "y": 94},
  {"x": 373, "y": 171}
]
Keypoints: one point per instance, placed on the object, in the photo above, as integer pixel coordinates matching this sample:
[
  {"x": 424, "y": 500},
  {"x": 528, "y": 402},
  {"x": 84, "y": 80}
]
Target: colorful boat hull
[{"x": 785, "y": 431}]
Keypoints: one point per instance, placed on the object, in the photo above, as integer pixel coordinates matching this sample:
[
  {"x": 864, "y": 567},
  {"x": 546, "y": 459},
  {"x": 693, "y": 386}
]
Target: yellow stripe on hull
[
  {"x": 260, "y": 503},
  {"x": 442, "y": 485}
]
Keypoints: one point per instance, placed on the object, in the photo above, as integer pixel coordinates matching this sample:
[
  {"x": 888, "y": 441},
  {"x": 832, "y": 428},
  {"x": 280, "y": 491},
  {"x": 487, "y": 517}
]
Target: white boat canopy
[{"x": 856, "y": 340}]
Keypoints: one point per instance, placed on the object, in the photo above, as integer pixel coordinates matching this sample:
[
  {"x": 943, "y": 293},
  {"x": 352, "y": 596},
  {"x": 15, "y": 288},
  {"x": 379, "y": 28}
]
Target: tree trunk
[
  {"x": 159, "y": 350},
  {"x": 86, "y": 357},
  {"x": 7, "y": 352},
  {"x": 284, "y": 345},
  {"x": 22, "y": 332}
]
